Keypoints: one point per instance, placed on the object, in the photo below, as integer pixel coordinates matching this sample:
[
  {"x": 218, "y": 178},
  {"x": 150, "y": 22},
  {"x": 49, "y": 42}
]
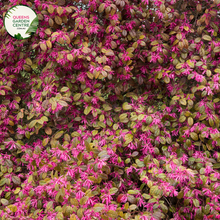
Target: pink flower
[
  {"x": 101, "y": 163},
  {"x": 106, "y": 198}
]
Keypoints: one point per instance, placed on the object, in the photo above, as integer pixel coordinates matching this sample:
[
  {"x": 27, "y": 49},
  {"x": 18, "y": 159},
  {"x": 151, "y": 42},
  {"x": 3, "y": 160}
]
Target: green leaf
[
  {"x": 126, "y": 106},
  {"x": 161, "y": 175},
  {"x": 49, "y": 205},
  {"x": 44, "y": 118},
  {"x": 31, "y": 29},
  {"x": 103, "y": 154},
  {"x": 58, "y": 134},
  {"x": 64, "y": 89},
  {"x": 35, "y": 22},
  {"x": 140, "y": 117},
  {"x": 13, "y": 208},
  {"x": 132, "y": 207},
  {"x": 86, "y": 90},
  {"x": 107, "y": 107},
  {"x": 182, "y": 101},
  {"x": 207, "y": 37},
  {"x": 83, "y": 200},
  {"x": 27, "y": 134},
  {"x": 149, "y": 120},
  {"x": 146, "y": 196},
  {"x": 194, "y": 136},
  {"x": 152, "y": 200},
  {"x": 162, "y": 140},
  {"x": 128, "y": 137},
  {"x": 32, "y": 123},
  {"x": 63, "y": 103},
  {"x": 33, "y": 26},
  {"x": 140, "y": 163},
  {"x": 54, "y": 105},
  {"x": 133, "y": 192},
  {"x": 207, "y": 209},
  {"x": 16, "y": 180},
  {"x": 45, "y": 141},
  {"x": 113, "y": 190},
  {"x": 202, "y": 171},
  {"x": 196, "y": 202},
  {"x": 216, "y": 165},
  {"x": 76, "y": 97},
  {"x": 59, "y": 216},
  {"x": 164, "y": 208},
  {"x": 102, "y": 124},
  {"x": 98, "y": 207},
  {"x": 4, "y": 201},
  {"x": 180, "y": 195},
  {"x": 88, "y": 147},
  {"x": 87, "y": 110},
  {"x": 154, "y": 190},
  {"x": 18, "y": 36},
  {"x": 123, "y": 116},
  {"x": 182, "y": 118}
]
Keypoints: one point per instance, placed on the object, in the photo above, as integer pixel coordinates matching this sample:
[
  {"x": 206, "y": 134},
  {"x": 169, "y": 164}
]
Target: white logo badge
[{"x": 21, "y": 21}]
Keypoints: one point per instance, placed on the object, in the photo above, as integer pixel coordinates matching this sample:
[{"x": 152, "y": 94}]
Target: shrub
[{"x": 111, "y": 111}]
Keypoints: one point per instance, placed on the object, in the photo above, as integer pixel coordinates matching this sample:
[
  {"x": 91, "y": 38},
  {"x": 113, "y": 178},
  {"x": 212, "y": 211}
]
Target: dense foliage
[{"x": 111, "y": 111}]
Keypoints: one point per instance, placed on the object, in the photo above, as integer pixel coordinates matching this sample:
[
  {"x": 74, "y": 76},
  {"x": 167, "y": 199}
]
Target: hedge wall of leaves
[{"x": 111, "y": 111}]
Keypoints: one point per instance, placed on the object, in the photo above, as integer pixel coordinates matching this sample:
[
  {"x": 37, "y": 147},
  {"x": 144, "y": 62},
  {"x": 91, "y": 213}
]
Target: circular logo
[{"x": 21, "y": 21}]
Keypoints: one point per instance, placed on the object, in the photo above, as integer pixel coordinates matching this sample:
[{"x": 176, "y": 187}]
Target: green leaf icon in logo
[
  {"x": 33, "y": 26},
  {"x": 18, "y": 36}
]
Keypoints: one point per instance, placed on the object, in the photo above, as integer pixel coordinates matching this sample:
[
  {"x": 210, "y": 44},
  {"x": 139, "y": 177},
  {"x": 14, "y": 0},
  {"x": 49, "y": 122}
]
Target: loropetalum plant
[{"x": 111, "y": 111}]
